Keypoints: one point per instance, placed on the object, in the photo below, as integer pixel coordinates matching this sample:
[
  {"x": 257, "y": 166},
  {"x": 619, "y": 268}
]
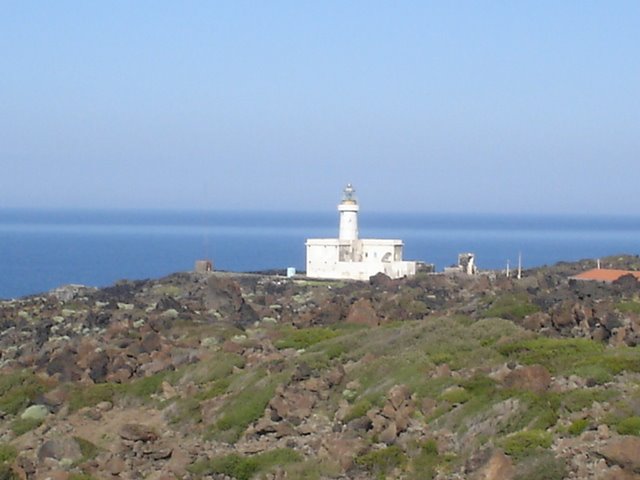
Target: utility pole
[{"x": 519, "y": 265}]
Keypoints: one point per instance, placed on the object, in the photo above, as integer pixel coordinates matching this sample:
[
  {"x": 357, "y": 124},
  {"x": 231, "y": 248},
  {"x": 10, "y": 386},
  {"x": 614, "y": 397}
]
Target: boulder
[
  {"x": 498, "y": 467},
  {"x": 536, "y": 321},
  {"x": 341, "y": 449},
  {"x": 115, "y": 465},
  {"x": 382, "y": 281},
  {"x": 158, "y": 450},
  {"x": 55, "y": 397},
  {"x": 622, "y": 450},
  {"x": 35, "y": 413},
  {"x": 138, "y": 432},
  {"x": 363, "y": 313},
  {"x": 617, "y": 473},
  {"x": 335, "y": 375},
  {"x": 223, "y": 294},
  {"x": 151, "y": 342},
  {"x": 389, "y": 434},
  {"x": 293, "y": 405},
  {"x": 398, "y": 394},
  {"x": 534, "y": 378},
  {"x": 59, "y": 448},
  {"x": 98, "y": 366},
  {"x": 63, "y": 365}
]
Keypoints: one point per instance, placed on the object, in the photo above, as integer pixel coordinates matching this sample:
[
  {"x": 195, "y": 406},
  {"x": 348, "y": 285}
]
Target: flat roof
[{"x": 605, "y": 274}]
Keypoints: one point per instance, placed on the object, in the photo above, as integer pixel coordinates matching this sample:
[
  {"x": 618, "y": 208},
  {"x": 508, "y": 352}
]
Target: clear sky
[{"x": 447, "y": 106}]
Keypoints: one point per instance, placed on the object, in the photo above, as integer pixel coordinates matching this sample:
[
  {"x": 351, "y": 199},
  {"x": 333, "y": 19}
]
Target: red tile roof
[{"x": 605, "y": 274}]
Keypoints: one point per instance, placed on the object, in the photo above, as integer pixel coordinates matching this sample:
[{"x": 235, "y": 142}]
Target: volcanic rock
[
  {"x": 534, "y": 378},
  {"x": 137, "y": 432}
]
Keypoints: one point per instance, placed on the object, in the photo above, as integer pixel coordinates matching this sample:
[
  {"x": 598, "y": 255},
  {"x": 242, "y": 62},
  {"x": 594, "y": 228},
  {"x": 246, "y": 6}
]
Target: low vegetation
[
  {"x": 440, "y": 385},
  {"x": 511, "y": 307},
  {"x": 243, "y": 467},
  {"x": 141, "y": 389},
  {"x": 18, "y": 390},
  {"x": 379, "y": 463},
  {"x": 526, "y": 443}
]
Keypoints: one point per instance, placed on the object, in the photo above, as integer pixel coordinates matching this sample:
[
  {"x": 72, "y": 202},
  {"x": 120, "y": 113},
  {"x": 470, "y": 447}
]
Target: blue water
[{"x": 40, "y": 250}]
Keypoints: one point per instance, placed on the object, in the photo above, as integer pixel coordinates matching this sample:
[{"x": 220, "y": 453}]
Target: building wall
[
  {"x": 374, "y": 250},
  {"x": 357, "y": 260}
]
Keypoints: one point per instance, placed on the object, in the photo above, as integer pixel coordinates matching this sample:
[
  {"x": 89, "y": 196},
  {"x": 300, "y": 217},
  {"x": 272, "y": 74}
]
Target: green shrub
[
  {"x": 581, "y": 398},
  {"x": 21, "y": 426},
  {"x": 359, "y": 409},
  {"x": 81, "y": 476},
  {"x": 186, "y": 410},
  {"x": 541, "y": 466},
  {"x": 455, "y": 395},
  {"x": 578, "y": 426},
  {"x": 628, "y": 307},
  {"x": 245, "y": 407},
  {"x": 243, "y": 468},
  {"x": 7, "y": 452},
  {"x": 279, "y": 456},
  {"x": 629, "y": 426},
  {"x": 143, "y": 387},
  {"x": 526, "y": 442},
  {"x": 620, "y": 359},
  {"x": 558, "y": 355},
  {"x": 424, "y": 464},
  {"x": 511, "y": 307},
  {"x": 335, "y": 350},
  {"x": 219, "y": 366},
  {"x": 248, "y": 407},
  {"x": 439, "y": 358},
  {"x": 215, "y": 390},
  {"x": 537, "y": 411},
  {"x": 313, "y": 469},
  {"x": 579, "y": 356},
  {"x": 7, "y": 473},
  {"x": 381, "y": 462},
  {"x": 18, "y": 390},
  {"x": 90, "y": 395},
  {"x": 234, "y": 465},
  {"x": 304, "y": 338},
  {"x": 596, "y": 373},
  {"x": 88, "y": 449}
]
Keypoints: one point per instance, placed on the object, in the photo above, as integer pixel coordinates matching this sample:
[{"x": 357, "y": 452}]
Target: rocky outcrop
[
  {"x": 498, "y": 467},
  {"x": 623, "y": 451},
  {"x": 534, "y": 378}
]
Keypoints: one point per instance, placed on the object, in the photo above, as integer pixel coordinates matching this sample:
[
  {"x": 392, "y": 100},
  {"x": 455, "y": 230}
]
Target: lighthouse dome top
[{"x": 348, "y": 194}]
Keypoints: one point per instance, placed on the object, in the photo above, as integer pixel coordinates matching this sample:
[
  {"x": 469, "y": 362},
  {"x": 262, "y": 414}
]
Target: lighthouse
[
  {"x": 350, "y": 257},
  {"x": 348, "y": 209}
]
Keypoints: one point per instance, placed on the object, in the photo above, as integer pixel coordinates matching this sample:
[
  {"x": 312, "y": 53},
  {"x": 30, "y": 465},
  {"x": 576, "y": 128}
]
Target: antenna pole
[{"x": 519, "y": 265}]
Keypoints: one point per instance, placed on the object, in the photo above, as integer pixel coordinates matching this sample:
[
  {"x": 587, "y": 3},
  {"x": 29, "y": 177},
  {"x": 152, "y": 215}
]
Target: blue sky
[{"x": 483, "y": 106}]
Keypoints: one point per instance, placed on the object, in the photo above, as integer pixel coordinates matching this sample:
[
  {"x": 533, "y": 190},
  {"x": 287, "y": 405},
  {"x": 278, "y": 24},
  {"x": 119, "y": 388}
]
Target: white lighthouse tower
[
  {"x": 348, "y": 209},
  {"x": 351, "y": 257}
]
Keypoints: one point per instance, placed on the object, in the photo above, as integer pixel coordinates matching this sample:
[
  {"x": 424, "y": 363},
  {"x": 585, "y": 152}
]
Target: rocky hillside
[{"x": 253, "y": 376}]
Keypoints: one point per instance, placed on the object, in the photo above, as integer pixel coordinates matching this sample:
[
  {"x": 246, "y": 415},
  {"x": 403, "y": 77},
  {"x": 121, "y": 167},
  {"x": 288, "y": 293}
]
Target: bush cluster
[
  {"x": 244, "y": 468},
  {"x": 526, "y": 442}
]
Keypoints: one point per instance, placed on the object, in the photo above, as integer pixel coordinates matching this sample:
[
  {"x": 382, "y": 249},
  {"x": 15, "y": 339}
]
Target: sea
[{"x": 44, "y": 249}]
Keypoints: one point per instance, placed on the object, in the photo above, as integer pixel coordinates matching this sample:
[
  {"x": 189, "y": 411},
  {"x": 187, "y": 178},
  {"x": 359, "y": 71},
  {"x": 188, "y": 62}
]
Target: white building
[{"x": 349, "y": 257}]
